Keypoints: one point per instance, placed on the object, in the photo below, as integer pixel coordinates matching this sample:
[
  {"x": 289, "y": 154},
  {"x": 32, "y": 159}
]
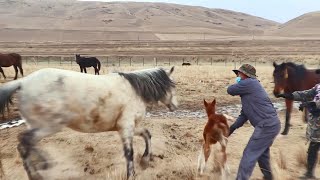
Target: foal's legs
[
  {"x": 1, "y": 70},
  {"x": 27, "y": 148},
  {"x": 147, "y": 139},
  {"x": 16, "y": 70},
  {"x": 204, "y": 154},
  {"x": 224, "y": 168},
  {"x": 81, "y": 69},
  {"x": 85, "y": 70}
]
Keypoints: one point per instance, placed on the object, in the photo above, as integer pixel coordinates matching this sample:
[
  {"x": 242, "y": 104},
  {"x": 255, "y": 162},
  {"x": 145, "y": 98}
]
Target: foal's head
[{"x": 210, "y": 107}]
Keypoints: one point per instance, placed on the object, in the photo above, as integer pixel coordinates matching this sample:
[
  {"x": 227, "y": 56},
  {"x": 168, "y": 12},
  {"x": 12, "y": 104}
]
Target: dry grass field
[
  {"x": 131, "y": 36},
  {"x": 176, "y": 137}
]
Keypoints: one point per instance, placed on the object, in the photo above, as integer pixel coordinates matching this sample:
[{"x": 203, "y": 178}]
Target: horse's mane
[
  {"x": 299, "y": 70},
  {"x": 151, "y": 85}
]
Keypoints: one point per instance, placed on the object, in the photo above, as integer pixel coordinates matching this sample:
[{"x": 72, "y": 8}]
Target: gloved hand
[
  {"x": 312, "y": 107},
  {"x": 286, "y": 96},
  {"x": 301, "y": 106},
  {"x": 231, "y": 129}
]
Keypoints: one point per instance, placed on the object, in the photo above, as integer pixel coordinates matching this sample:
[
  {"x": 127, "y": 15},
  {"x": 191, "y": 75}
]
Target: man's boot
[{"x": 312, "y": 160}]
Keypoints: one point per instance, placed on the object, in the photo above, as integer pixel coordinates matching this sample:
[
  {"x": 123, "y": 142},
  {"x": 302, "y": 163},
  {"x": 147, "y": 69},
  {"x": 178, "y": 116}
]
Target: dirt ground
[
  {"x": 175, "y": 145},
  {"x": 176, "y": 140}
]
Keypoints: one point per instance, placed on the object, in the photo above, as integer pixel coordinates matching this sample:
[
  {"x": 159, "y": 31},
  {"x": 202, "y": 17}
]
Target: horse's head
[
  {"x": 210, "y": 107},
  {"x": 77, "y": 58},
  {"x": 280, "y": 77},
  {"x": 170, "y": 99}
]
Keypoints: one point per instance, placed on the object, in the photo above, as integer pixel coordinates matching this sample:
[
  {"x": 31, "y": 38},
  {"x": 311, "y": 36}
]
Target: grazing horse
[
  {"x": 88, "y": 62},
  {"x": 216, "y": 130},
  {"x": 12, "y": 59},
  {"x": 186, "y": 64},
  {"x": 50, "y": 99},
  {"x": 290, "y": 77}
]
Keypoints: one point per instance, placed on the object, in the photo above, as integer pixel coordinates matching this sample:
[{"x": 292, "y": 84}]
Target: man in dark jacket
[
  {"x": 311, "y": 100},
  {"x": 258, "y": 109}
]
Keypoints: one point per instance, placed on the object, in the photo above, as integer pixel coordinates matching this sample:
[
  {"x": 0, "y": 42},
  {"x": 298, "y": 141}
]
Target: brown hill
[
  {"x": 306, "y": 25},
  {"x": 124, "y": 20}
]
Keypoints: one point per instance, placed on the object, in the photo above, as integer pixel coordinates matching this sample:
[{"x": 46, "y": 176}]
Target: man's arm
[
  {"x": 306, "y": 95},
  {"x": 240, "y": 88},
  {"x": 238, "y": 123}
]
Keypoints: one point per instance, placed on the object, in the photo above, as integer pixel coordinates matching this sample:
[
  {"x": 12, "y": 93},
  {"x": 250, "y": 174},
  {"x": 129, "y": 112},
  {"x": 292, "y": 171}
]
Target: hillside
[
  {"x": 124, "y": 20},
  {"x": 306, "y": 25}
]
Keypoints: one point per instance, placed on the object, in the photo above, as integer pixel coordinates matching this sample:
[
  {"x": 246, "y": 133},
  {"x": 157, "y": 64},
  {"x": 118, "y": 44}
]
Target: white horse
[{"x": 50, "y": 99}]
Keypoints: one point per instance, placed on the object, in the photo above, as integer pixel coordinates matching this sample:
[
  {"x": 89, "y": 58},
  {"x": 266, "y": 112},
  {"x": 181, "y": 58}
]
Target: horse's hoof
[
  {"x": 36, "y": 176},
  {"x": 43, "y": 166},
  {"x": 144, "y": 163}
]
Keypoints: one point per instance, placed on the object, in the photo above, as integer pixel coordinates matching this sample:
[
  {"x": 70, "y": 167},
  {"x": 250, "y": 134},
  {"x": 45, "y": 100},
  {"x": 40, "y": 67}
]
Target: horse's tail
[
  {"x": 6, "y": 92},
  {"x": 99, "y": 64}
]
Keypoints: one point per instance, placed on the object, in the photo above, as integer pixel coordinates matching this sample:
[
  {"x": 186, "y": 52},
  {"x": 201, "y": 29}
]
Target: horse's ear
[
  {"x": 286, "y": 75},
  {"x": 214, "y": 102},
  {"x": 275, "y": 64},
  {"x": 205, "y": 103},
  {"x": 171, "y": 70}
]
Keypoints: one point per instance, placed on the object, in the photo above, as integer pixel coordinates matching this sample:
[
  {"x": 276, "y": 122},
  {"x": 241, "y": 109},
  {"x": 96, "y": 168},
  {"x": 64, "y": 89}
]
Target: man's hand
[
  {"x": 231, "y": 130},
  {"x": 286, "y": 96}
]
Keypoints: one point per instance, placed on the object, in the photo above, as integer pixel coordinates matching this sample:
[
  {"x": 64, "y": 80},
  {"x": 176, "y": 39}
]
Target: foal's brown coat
[{"x": 216, "y": 130}]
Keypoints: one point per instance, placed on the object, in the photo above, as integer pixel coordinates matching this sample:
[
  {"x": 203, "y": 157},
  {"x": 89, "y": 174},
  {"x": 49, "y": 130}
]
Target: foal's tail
[{"x": 6, "y": 92}]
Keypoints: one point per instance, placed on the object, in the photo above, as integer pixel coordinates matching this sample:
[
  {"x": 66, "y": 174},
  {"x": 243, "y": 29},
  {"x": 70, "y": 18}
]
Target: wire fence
[{"x": 166, "y": 61}]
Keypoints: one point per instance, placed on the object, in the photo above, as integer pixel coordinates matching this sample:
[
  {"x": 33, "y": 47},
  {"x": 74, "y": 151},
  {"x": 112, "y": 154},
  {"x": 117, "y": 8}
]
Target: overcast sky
[{"x": 277, "y": 10}]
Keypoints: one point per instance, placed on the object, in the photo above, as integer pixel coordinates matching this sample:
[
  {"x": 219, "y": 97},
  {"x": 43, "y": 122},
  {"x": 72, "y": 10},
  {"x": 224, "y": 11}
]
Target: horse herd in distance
[{"x": 15, "y": 60}]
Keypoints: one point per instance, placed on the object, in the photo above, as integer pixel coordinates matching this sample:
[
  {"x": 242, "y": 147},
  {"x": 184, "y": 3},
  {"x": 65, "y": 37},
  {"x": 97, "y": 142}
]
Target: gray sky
[{"x": 277, "y": 10}]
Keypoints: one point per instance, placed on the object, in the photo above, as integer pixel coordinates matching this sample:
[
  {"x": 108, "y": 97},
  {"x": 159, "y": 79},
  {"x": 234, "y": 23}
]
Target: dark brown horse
[
  {"x": 290, "y": 77},
  {"x": 12, "y": 59},
  {"x": 88, "y": 62}
]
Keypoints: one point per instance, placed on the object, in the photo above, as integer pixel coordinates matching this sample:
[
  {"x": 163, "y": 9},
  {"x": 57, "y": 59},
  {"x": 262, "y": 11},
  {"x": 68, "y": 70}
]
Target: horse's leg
[
  {"x": 96, "y": 71},
  {"x": 201, "y": 159},
  {"x": 223, "y": 142},
  {"x": 85, "y": 70},
  {"x": 16, "y": 71},
  {"x": 126, "y": 134},
  {"x": 147, "y": 139},
  {"x": 81, "y": 69},
  {"x": 20, "y": 69},
  {"x": 1, "y": 70},
  {"x": 1, "y": 168},
  {"x": 289, "y": 104},
  {"x": 305, "y": 115},
  {"x": 204, "y": 154},
  {"x": 27, "y": 148}
]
